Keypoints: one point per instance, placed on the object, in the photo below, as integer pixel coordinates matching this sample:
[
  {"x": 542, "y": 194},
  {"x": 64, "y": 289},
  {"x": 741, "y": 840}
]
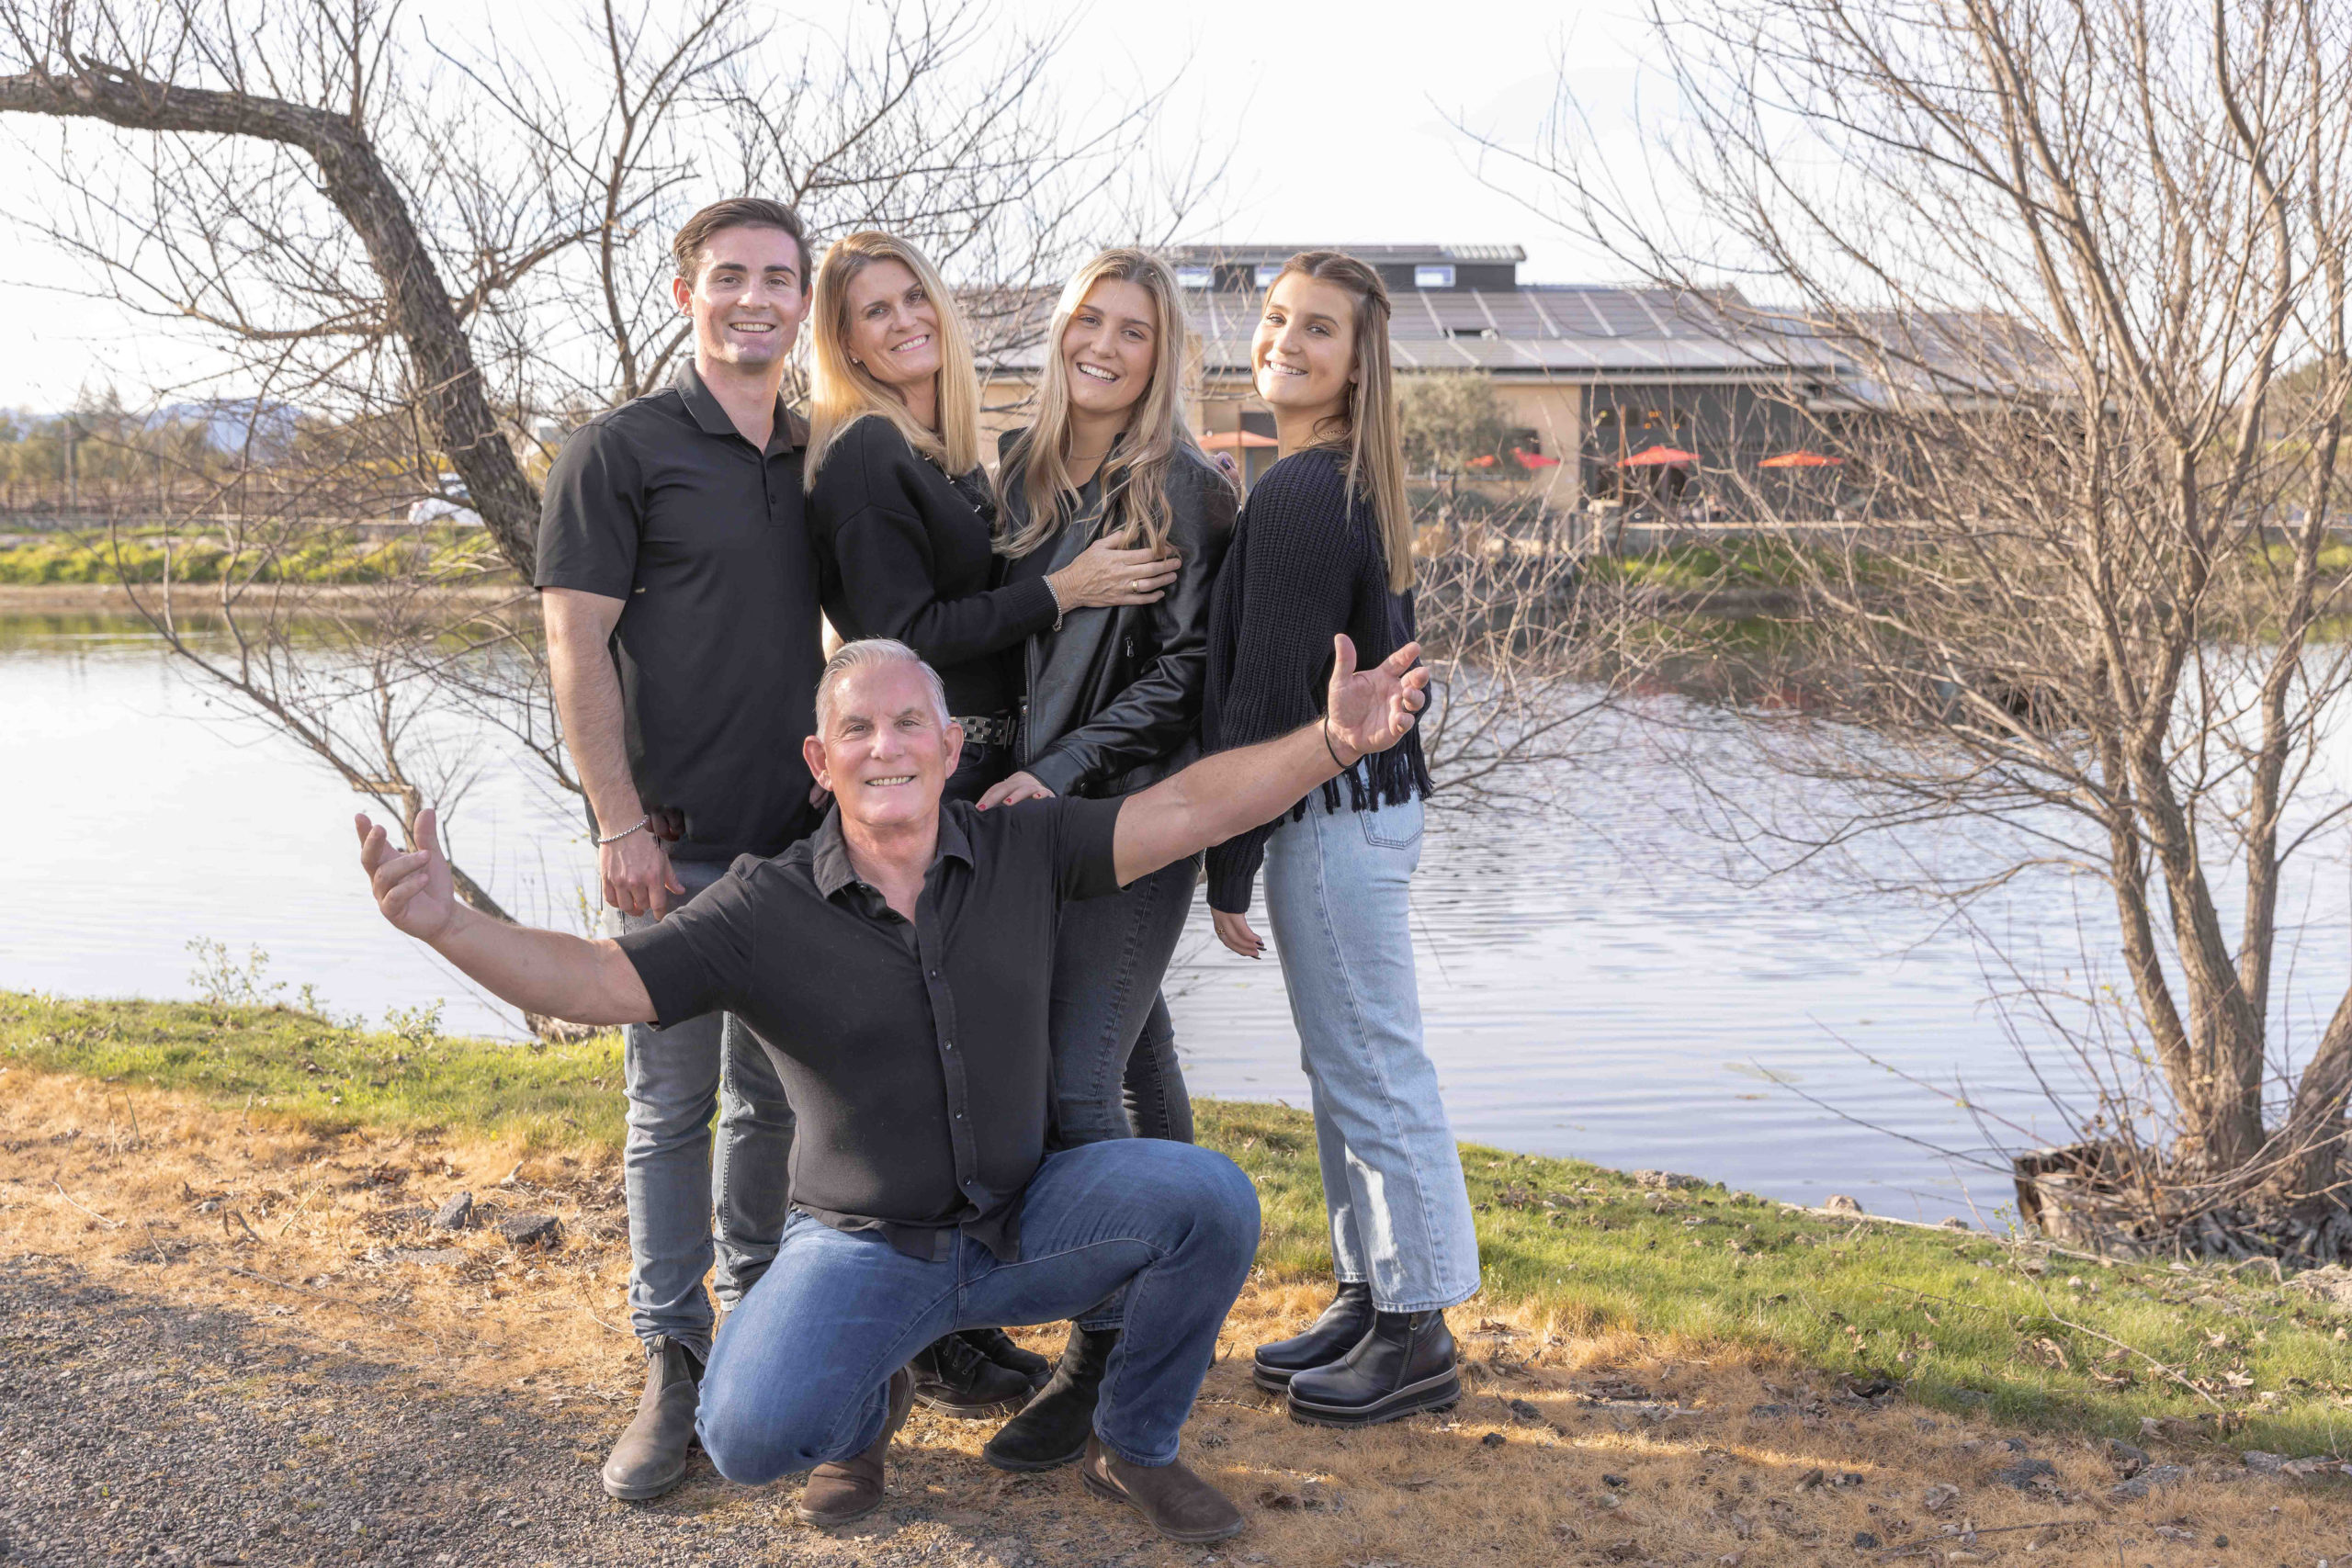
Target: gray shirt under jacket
[
  {"x": 1112, "y": 700},
  {"x": 920, "y": 1069},
  {"x": 662, "y": 504}
]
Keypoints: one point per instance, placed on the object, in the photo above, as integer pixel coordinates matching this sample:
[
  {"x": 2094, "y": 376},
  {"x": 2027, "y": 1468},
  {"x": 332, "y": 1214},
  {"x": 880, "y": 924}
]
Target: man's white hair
[{"x": 874, "y": 651}]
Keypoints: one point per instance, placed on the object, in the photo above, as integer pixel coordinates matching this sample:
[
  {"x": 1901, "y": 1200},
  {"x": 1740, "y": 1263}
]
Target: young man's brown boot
[
  {"x": 1180, "y": 1504},
  {"x": 651, "y": 1457},
  {"x": 852, "y": 1488}
]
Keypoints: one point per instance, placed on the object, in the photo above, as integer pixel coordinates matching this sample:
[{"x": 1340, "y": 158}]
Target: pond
[{"x": 1590, "y": 986}]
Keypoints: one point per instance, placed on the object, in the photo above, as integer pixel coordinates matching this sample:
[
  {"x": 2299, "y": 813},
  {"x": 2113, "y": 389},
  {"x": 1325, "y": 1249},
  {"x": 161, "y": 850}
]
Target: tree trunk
[{"x": 448, "y": 383}]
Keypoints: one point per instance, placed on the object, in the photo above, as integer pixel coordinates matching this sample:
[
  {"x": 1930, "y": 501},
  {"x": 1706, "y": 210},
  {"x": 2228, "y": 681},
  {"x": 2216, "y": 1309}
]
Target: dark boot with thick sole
[
  {"x": 998, "y": 1347},
  {"x": 1343, "y": 1324},
  {"x": 852, "y": 1488},
  {"x": 650, "y": 1458},
  {"x": 1180, "y": 1504},
  {"x": 1405, "y": 1366},
  {"x": 1053, "y": 1428},
  {"x": 953, "y": 1379}
]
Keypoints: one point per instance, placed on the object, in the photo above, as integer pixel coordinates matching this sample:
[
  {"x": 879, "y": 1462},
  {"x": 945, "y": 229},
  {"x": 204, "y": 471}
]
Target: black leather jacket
[{"x": 1113, "y": 698}]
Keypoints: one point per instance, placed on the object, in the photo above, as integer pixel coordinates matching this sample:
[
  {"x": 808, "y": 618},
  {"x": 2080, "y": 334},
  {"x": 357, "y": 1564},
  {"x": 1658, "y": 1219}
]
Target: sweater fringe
[{"x": 1386, "y": 778}]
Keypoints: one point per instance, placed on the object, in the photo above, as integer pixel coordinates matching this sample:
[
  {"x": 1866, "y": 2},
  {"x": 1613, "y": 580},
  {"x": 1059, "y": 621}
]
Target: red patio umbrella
[
  {"x": 1658, "y": 458},
  {"x": 1533, "y": 459},
  {"x": 1800, "y": 460},
  {"x": 1227, "y": 440},
  {"x": 1485, "y": 460}
]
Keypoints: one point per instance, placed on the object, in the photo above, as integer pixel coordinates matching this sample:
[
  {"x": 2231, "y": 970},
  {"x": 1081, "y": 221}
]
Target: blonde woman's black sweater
[
  {"x": 1305, "y": 563},
  {"x": 904, "y": 551}
]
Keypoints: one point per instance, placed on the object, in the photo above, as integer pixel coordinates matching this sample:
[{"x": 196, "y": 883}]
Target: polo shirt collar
[
  {"x": 828, "y": 862},
  {"x": 790, "y": 431}
]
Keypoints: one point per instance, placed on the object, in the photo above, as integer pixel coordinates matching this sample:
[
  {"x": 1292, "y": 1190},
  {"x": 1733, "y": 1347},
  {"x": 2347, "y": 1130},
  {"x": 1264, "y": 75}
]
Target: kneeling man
[{"x": 897, "y": 966}]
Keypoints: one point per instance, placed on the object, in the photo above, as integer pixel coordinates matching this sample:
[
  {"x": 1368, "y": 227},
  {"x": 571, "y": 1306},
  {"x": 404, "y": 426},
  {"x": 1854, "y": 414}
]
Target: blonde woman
[
  {"x": 1114, "y": 706},
  {"x": 900, "y": 509},
  {"x": 1325, "y": 547}
]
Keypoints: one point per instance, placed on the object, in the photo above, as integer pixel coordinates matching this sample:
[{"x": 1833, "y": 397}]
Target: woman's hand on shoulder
[{"x": 1013, "y": 790}]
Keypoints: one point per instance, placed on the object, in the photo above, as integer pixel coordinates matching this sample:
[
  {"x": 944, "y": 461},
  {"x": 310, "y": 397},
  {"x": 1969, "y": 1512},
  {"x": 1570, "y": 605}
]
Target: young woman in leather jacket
[
  {"x": 900, "y": 517},
  {"x": 901, "y": 510},
  {"x": 1112, "y": 704}
]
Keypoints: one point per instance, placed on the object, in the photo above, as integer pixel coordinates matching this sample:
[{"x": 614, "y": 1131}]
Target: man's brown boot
[
  {"x": 650, "y": 1458},
  {"x": 1180, "y": 1504},
  {"x": 852, "y": 1488}
]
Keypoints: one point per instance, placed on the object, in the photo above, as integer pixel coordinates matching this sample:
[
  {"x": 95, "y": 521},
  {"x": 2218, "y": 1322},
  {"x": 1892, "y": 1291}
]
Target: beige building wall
[{"x": 1555, "y": 411}]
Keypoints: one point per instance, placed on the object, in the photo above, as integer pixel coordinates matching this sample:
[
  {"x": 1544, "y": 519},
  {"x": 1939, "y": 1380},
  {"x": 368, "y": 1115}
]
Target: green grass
[
  {"x": 325, "y": 556},
  {"x": 1959, "y": 1316}
]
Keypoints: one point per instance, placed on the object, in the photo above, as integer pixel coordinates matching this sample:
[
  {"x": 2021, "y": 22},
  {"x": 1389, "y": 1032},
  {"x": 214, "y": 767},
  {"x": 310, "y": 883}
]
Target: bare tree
[
  {"x": 2085, "y": 265},
  {"x": 444, "y": 249}
]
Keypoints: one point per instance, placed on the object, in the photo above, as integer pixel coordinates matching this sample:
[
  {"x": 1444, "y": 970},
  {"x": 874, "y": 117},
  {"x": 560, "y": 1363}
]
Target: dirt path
[{"x": 227, "y": 1342}]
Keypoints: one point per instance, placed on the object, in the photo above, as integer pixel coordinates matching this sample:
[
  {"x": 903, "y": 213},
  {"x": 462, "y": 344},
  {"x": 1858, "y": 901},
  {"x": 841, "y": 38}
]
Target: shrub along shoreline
[{"x": 1963, "y": 1320}]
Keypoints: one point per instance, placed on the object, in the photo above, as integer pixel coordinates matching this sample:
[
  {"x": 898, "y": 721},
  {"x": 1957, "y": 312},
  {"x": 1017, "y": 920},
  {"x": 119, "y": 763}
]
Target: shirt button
[
  {"x": 947, "y": 1044},
  {"x": 960, "y": 1116}
]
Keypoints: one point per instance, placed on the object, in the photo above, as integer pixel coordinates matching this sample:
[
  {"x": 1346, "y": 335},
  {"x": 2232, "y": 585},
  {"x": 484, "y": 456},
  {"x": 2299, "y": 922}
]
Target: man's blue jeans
[
  {"x": 799, "y": 1375},
  {"x": 676, "y": 1078}
]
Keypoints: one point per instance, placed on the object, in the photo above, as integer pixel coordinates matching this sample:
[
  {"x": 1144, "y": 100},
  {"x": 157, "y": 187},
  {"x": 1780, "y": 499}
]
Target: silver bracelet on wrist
[
  {"x": 1056, "y": 595},
  {"x": 639, "y": 828}
]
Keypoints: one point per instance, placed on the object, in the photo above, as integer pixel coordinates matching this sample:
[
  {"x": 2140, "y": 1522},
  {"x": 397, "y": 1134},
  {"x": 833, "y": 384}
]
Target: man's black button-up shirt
[
  {"x": 662, "y": 504},
  {"x": 915, "y": 1056}
]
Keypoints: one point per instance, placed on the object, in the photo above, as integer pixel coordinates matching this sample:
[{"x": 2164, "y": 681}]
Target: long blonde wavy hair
[
  {"x": 1374, "y": 445},
  {"x": 1134, "y": 476},
  {"x": 841, "y": 393}
]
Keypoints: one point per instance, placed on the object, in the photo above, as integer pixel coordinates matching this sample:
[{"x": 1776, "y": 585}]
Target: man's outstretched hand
[
  {"x": 1371, "y": 710},
  {"x": 412, "y": 889}
]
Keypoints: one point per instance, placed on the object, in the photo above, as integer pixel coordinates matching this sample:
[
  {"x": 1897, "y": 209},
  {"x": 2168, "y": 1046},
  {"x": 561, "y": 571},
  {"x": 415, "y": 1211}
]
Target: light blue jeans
[
  {"x": 1338, "y": 886},
  {"x": 675, "y": 1078}
]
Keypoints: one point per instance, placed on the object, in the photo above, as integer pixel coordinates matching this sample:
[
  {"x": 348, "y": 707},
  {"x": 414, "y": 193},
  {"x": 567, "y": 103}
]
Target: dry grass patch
[{"x": 1572, "y": 1447}]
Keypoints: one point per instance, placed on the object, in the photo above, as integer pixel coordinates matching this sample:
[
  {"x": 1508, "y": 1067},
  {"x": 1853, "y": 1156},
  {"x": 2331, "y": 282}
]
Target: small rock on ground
[
  {"x": 2024, "y": 1473},
  {"x": 532, "y": 1230}
]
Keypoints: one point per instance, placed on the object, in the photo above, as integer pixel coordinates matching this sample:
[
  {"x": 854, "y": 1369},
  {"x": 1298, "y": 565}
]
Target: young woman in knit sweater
[
  {"x": 901, "y": 510},
  {"x": 1325, "y": 547}
]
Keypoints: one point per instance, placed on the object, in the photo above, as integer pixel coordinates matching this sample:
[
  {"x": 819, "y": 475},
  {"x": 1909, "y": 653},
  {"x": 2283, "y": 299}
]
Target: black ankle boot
[
  {"x": 998, "y": 1347},
  {"x": 1403, "y": 1367},
  {"x": 1053, "y": 1428},
  {"x": 953, "y": 1379},
  {"x": 1346, "y": 1320}
]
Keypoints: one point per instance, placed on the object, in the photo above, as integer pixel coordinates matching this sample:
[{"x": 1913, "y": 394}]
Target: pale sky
[{"x": 1336, "y": 115}]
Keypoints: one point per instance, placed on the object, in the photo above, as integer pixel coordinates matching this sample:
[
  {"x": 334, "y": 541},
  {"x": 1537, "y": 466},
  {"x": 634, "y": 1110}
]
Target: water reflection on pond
[{"x": 1590, "y": 987}]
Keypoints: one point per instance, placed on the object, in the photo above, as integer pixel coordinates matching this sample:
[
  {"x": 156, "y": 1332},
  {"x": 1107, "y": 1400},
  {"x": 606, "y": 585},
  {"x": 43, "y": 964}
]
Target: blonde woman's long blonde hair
[
  {"x": 1159, "y": 434},
  {"x": 841, "y": 393},
  {"x": 1373, "y": 445}
]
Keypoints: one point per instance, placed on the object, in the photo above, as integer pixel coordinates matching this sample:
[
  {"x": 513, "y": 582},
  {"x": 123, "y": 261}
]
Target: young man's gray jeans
[{"x": 675, "y": 1078}]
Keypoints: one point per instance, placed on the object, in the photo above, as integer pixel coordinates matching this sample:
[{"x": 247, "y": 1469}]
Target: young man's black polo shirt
[
  {"x": 662, "y": 504},
  {"x": 918, "y": 1070}
]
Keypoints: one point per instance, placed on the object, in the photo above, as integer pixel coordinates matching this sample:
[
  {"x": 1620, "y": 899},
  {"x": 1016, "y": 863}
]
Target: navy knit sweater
[{"x": 1305, "y": 563}]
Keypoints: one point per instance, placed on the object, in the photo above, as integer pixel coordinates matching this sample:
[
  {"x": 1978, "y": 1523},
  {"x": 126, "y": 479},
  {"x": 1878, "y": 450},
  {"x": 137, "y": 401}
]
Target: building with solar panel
[{"x": 1589, "y": 374}]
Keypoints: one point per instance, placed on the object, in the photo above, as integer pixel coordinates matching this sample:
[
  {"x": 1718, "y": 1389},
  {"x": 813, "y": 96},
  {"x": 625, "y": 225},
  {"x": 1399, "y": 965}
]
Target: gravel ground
[{"x": 135, "y": 1431}]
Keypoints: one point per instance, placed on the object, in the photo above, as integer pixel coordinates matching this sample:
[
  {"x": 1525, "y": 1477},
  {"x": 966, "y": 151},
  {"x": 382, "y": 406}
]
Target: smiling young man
[
  {"x": 896, "y": 966},
  {"x": 679, "y": 598}
]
